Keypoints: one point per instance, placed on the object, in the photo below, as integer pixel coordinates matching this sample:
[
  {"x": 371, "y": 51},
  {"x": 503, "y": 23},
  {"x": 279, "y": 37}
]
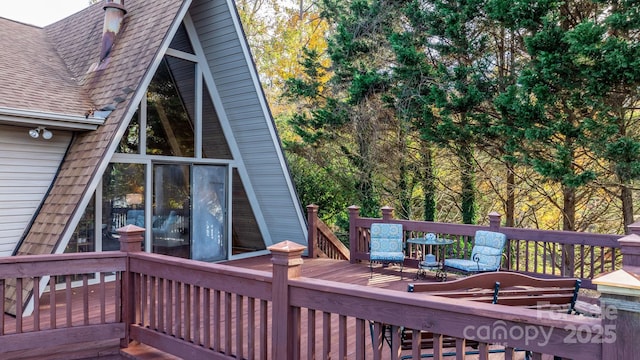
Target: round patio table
[{"x": 430, "y": 261}]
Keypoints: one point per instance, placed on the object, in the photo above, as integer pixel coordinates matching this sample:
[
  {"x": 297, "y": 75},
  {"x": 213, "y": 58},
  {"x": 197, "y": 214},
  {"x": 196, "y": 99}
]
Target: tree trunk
[
  {"x": 568, "y": 224},
  {"x": 405, "y": 186},
  {"x": 428, "y": 185},
  {"x": 511, "y": 197},
  {"x": 467, "y": 180},
  {"x": 364, "y": 165},
  {"x": 627, "y": 206}
]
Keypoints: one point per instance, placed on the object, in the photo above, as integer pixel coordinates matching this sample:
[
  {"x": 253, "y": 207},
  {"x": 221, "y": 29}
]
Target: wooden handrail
[{"x": 322, "y": 241}]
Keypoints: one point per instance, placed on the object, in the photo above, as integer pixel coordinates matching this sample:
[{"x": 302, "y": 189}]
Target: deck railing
[
  {"x": 64, "y": 312},
  {"x": 536, "y": 252},
  {"x": 197, "y": 310},
  {"x": 322, "y": 241}
]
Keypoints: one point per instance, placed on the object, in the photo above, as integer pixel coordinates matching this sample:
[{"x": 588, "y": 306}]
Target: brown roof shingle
[{"x": 40, "y": 80}]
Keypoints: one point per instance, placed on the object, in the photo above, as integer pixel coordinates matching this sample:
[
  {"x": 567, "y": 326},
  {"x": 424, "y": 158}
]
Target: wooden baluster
[
  {"x": 68, "y": 300},
  {"x": 52, "y": 302},
  {"x": 251, "y": 328},
  {"x": 264, "y": 334},
  {"x": 326, "y": 336}
]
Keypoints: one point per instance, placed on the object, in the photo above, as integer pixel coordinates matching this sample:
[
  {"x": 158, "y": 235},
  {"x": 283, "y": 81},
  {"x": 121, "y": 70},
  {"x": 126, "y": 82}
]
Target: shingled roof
[
  {"x": 41, "y": 81},
  {"x": 73, "y": 44}
]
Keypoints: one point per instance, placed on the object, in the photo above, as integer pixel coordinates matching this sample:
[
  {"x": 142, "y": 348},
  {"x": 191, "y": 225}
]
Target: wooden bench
[
  {"x": 509, "y": 288},
  {"x": 506, "y": 288}
]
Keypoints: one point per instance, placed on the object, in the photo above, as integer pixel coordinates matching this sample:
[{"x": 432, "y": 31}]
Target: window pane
[
  {"x": 171, "y": 190},
  {"x": 130, "y": 142},
  {"x": 209, "y": 209},
  {"x": 170, "y": 109},
  {"x": 246, "y": 235},
  {"x": 123, "y": 201},
  {"x": 83, "y": 238}
]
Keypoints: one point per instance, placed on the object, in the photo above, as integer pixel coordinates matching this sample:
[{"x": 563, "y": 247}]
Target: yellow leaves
[{"x": 277, "y": 33}]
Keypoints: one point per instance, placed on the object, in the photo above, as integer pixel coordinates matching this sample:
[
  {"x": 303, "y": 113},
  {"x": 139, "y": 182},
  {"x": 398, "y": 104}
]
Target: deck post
[
  {"x": 287, "y": 264},
  {"x": 312, "y": 220},
  {"x": 387, "y": 213},
  {"x": 494, "y": 221},
  {"x": 634, "y": 228},
  {"x": 494, "y": 225},
  {"x": 620, "y": 303},
  {"x": 131, "y": 238},
  {"x": 354, "y": 214}
]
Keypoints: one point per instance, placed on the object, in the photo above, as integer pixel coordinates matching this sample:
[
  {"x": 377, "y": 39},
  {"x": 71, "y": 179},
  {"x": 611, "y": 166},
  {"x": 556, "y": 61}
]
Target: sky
[{"x": 40, "y": 12}]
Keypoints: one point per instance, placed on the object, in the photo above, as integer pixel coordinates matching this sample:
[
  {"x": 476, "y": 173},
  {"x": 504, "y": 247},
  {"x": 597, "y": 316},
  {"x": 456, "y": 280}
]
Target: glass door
[
  {"x": 170, "y": 233},
  {"x": 209, "y": 240}
]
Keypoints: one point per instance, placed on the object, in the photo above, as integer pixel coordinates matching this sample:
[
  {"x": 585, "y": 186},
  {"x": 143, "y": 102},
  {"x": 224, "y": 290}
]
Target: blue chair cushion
[
  {"x": 387, "y": 256},
  {"x": 487, "y": 249},
  {"x": 386, "y": 243},
  {"x": 469, "y": 265}
]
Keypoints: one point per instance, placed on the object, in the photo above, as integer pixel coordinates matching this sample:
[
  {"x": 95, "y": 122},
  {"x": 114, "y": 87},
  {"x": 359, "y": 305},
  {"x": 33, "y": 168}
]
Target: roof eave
[{"x": 50, "y": 120}]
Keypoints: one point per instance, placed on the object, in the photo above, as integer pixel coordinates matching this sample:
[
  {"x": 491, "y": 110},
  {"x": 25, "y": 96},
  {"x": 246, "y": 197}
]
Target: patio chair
[
  {"x": 486, "y": 254},
  {"x": 386, "y": 245}
]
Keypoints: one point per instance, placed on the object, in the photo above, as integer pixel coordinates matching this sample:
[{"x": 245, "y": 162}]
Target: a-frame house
[{"x": 147, "y": 113}]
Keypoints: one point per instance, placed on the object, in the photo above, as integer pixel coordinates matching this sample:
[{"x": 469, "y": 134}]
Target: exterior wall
[
  {"x": 246, "y": 111},
  {"x": 27, "y": 168}
]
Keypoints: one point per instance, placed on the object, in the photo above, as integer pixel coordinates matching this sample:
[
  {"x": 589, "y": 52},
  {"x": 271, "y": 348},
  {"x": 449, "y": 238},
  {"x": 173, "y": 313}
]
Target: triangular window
[{"x": 170, "y": 105}]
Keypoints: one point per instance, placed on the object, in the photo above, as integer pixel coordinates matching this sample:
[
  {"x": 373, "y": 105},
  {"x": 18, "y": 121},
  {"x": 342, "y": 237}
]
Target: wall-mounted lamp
[{"x": 35, "y": 133}]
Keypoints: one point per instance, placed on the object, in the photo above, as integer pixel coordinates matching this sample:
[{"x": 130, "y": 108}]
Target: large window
[{"x": 174, "y": 173}]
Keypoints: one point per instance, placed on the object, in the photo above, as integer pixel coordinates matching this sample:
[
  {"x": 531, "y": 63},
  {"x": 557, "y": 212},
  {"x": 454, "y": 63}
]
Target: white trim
[
  {"x": 198, "y": 109},
  {"x": 138, "y": 159},
  {"x": 181, "y": 55},
  {"x": 249, "y": 254},
  {"x": 51, "y": 120},
  {"x": 265, "y": 109},
  {"x": 228, "y": 215},
  {"x": 142, "y": 118},
  {"x": 148, "y": 205},
  {"x": 97, "y": 224}
]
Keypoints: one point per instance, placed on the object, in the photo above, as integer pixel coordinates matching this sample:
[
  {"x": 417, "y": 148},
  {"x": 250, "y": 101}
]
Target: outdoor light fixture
[{"x": 35, "y": 133}]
